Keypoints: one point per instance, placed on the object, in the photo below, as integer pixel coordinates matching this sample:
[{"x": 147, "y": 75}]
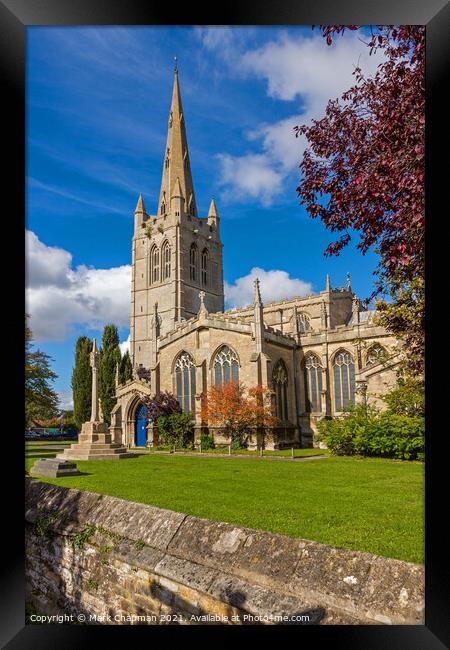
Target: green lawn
[
  {"x": 223, "y": 449},
  {"x": 370, "y": 505}
]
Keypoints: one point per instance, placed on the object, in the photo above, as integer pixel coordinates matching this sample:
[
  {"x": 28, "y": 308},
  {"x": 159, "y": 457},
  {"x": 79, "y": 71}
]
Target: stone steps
[{"x": 95, "y": 451}]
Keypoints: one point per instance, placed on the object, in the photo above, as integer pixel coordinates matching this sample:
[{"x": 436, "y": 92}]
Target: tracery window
[
  {"x": 344, "y": 380},
  {"x": 280, "y": 383},
  {"x": 313, "y": 384},
  {"x": 225, "y": 366},
  {"x": 303, "y": 323},
  {"x": 193, "y": 255},
  {"x": 185, "y": 382},
  {"x": 205, "y": 265},
  {"x": 375, "y": 354},
  {"x": 166, "y": 255},
  {"x": 154, "y": 265}
]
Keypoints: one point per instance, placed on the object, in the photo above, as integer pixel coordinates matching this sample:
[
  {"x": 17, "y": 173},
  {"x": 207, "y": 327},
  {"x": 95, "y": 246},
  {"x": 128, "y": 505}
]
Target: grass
[
  {"x": 223, "y": 449},
  {"x": 372, "y": 505}
]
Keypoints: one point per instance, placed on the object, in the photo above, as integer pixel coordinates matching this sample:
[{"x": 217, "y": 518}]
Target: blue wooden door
[{"x": 141, "y": 426}]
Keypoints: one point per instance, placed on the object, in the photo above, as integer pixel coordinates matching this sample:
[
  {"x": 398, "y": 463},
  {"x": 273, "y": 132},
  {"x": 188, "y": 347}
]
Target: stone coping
[{"x": 349, "y": 586}]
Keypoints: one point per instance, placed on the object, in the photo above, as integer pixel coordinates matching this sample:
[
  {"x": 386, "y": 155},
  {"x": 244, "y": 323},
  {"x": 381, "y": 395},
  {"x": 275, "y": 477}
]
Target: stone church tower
[{"x": 175, "y": 253}]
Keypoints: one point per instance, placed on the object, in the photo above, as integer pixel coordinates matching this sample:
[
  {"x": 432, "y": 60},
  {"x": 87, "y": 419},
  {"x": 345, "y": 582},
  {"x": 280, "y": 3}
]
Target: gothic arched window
[
  {"x": 375, "y": 354},
  {"x": 344, "y": 380},
  {"x": 185, "y": 381},
  {"x": 280, "y": 382},
  {"x": 193, "y": 260},
  {"x": 205, "y": 265},
  {"x": 303, "y": 323},
  {"x": 154, "y": 265},
  {"x": 166, "y": 255},
  {"x": 225, "y": 366},
  {"x": 313, "y": 384}
]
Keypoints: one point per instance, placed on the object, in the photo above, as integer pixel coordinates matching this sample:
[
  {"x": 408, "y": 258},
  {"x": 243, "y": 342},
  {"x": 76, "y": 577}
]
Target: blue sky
[{"x": 97, "y": 107}]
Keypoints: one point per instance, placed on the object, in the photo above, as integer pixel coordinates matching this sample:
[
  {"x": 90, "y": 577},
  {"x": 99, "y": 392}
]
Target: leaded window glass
[
  {"x": 154, "y": 265},
  {"x": 313, "y": 384},
  {"x": 226, "y": 366},
  {"x": 205, "y": 264},
  {"x": 185, "y": 382},
  {"x": 375, "y": 354},
  {"x": 193, "y": 263},
  {"x": 166, "y": 255},
  {"x": 344, "y": 380}
]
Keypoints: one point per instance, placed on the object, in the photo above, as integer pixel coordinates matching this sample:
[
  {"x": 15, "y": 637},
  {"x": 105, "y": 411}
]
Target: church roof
[{"x": 176, "y": 163}]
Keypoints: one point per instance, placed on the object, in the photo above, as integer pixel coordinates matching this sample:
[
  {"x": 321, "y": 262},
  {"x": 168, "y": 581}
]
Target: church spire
[{"x": 176, "y": 158}]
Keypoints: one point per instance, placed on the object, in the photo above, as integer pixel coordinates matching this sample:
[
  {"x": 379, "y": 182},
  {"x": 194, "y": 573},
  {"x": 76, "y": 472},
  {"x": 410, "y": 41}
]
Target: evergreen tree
[
  {"x": 125, "y": 368},
  {"x": 109, "y": 357},
  {"x": 41, "y": 401},
  {"x": 82, "y": 381}
]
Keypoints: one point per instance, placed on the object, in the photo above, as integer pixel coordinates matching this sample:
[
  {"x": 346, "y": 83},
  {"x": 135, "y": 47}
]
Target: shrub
[
  {"x": 366, "y": 432},
  {"x": 407, "y": 399},
  {"x": 176, "y": 429},
  {"x": 207, "y": 442}
]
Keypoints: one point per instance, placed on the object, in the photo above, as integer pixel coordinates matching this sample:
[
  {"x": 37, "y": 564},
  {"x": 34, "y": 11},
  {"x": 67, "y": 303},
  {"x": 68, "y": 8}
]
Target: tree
[
  {"x": 364, "y": 170},
  {"x": 109, "y": 358},
  {"x": 41, "y": 401},
  {"x": 82, "y": 381},
  {"x": 408, "y": 398},
  {"x": 238, "y": 410},
  {"x": 69, "y": 423},
  {"x": 125, "y": 368},
  {"x": 161, "y": 405},
  {"x": 176, "y": 429}
]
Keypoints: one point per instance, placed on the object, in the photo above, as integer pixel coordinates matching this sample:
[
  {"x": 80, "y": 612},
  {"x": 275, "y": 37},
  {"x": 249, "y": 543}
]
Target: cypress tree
[
  {"x": 125, "y": 368},
  {"x": 109, "y": 357},
  {"x": 82, "y": 381}
]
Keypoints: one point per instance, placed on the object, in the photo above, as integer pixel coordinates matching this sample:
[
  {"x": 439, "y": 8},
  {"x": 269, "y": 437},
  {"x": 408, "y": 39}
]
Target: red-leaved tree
[
  {"x": 363, "y": 170},
  {"x": 238, "y": 410}
]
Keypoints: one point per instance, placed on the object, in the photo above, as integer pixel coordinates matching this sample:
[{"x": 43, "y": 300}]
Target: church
[{"x": 316, "y": 353}]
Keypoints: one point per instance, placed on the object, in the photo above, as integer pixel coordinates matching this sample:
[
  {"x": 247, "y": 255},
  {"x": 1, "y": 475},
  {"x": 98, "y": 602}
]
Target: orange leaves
[{"x": 234, "y": 407}]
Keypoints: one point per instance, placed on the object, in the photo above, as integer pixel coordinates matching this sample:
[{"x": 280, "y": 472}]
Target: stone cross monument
[{"x": 94, "y": 441}]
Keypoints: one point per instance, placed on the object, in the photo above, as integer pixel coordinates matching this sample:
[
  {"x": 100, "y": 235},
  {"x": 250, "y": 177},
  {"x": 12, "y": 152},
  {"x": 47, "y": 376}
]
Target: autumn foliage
[
  {"x": 238, "y": 410},
  {"x": 364, "y": 171}
]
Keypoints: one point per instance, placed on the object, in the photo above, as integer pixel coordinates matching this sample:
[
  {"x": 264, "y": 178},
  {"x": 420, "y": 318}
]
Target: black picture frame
[{"x": 15, "y": 17}]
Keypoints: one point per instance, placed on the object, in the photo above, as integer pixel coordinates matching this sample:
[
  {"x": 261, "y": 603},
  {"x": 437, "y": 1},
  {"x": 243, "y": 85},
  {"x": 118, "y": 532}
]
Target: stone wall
[{"x": 90, "y": 554}]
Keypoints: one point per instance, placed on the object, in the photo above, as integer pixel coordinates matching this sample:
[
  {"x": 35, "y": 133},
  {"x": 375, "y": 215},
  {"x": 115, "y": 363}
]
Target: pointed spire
[
  {"x": 140, "y": 206},
  {"x": 213, "y": 209},
  {"x": 176, "y": 163},
  {"x": 327, "y": 283},
  {"x": 347, "y": 282}
]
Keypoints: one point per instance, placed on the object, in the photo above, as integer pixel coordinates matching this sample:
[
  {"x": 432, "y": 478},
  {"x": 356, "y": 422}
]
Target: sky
[{"x": 97, "y": 101}]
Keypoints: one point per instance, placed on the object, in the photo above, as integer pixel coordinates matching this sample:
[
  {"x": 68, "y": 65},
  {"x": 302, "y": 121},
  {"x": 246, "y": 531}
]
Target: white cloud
[
  {"x": 296, "y": 68},
  {"x": 125, "y": 346},
  {"x": 274, "y": 285},
  {"x": 249, "y": 176},
  {"x": 65, "y": 400},
  {"x": 59, "y": 297}
]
